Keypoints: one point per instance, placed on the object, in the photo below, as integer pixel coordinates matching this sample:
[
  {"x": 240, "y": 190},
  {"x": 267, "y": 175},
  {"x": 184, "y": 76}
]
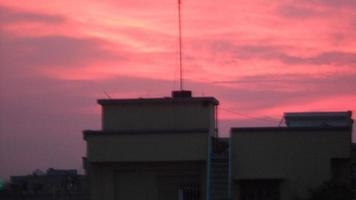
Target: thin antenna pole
[{"x": 180, "y": 45}]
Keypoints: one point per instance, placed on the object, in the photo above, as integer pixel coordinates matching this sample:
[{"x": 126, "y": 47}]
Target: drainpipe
[
  {"x": 208, "y": 182},
  {"x": 230, "y": 169}
]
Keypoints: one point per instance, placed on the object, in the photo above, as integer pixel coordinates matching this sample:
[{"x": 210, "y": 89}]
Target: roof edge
[
  {"x": 209, "y": 100},
  {"x": 258, "y": 129},
  {"x": 137, "y": 132}
]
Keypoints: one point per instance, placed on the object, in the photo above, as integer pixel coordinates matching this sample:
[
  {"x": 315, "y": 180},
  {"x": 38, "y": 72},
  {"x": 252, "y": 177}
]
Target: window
[
  {"x": 340, "y": 170},
  {"x": 267, "y": 189},
  {"x": 188, "y": 192}
]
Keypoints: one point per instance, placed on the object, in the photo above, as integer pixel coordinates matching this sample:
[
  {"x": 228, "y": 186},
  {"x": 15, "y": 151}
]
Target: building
[
  {"x": 169, "y": 148},
  {"x": 151, "y": 148},
  {"x": 54, "y": 184}
]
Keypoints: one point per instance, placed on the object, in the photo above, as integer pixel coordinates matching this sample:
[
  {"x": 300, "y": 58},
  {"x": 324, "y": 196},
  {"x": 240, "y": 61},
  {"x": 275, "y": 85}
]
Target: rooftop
[
  {"x": 138, "y": 132},
  {"x": 346, "y": 114},
  {"x": 262, "y": 129},
  {"x": 163, "y": 100},
  {"x": 321, "y": 119}
]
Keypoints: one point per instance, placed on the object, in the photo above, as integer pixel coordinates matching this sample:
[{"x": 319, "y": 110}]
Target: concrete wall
[
  {"x": 144, "y": 180},
  {"x": 154, "y": 116},
  {"x": 147, "y": 147},
  {"x": 301, "y": 159}
]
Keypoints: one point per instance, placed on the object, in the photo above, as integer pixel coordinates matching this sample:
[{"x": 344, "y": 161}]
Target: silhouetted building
[
  {"x": 151, "y": 148},
  {"x": 55, "y": 184},
  {"x": 169, "y": 148}
]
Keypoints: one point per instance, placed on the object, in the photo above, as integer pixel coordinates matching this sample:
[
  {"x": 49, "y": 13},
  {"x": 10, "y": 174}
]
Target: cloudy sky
[{"x": 260, "y": 58}]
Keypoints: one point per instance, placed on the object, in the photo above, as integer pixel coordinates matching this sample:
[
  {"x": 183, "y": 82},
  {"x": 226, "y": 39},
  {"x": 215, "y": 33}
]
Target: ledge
[
  {"x": 261, "y": 129},
  {"x": 168, "y": 100},
  {"x": 145, "y": 132}
]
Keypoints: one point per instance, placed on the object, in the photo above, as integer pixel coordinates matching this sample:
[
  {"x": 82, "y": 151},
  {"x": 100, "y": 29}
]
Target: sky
[{"x": 259, "y": 58}]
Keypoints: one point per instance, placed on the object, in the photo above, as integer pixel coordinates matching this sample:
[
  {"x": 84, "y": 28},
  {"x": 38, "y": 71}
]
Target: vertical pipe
[
  {"x": 230, "y": 168},
  {"x": 208, "y": 181},
  {"x": 216, "y": 121}
]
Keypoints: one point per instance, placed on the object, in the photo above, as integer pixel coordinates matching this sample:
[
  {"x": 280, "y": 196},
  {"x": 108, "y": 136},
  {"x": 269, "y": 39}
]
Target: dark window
[
  {"x": 188, "y": 192},
  {"x": 259, "y": 189},
  {"x": 340, "y": 170}
]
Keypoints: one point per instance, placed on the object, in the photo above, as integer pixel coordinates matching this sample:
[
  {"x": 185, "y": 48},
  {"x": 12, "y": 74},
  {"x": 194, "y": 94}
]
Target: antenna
[
  {"x": 181, "y": 93},
  {"x": 180, "y": 45}
]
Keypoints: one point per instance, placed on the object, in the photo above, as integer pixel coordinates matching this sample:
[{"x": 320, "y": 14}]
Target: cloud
[
  {"x": 34, "y": 53},
  {"x": 332, "y": 57},
  {"x": 334, "y": 3},
  {"x": 10, "y": 15},
  {"x": 327, "y": 84},
  {"x": 298, "y": 11},
  {"x": 260, "y": 92},
  {"x": 280, "y": 53}
]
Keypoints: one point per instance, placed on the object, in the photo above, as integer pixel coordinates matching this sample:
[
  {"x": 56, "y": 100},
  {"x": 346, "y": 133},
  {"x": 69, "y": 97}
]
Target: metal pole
[{"x": 180, "y": 45}]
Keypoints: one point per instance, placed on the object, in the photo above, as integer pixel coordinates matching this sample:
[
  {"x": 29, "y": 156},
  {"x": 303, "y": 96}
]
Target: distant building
[
  {"x": 169, "y": 148},
  {"x": 55, "y": 184}
]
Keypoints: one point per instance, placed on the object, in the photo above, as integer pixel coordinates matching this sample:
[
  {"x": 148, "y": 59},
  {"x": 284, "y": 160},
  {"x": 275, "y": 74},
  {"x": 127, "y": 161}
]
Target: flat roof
[
  {"x": 261, "y": 129},
  {"x": 347, "y": 114},
  {"x": 163, "y": 100}
]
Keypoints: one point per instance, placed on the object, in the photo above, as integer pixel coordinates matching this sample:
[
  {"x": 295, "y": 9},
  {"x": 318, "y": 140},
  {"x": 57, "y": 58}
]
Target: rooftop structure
[
  {"x": 319, "y": 119},
  {"x": 179, "y": 112}
]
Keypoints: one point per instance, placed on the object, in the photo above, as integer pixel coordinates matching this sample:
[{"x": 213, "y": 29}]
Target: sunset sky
[{"x": 259, "y": 58}]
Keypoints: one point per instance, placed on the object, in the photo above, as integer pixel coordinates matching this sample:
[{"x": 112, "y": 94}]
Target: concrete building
[
  {"x": 169, "y": 148},
  {"x": 152, "y": 148},
  {"x": 288, "y": 160}
]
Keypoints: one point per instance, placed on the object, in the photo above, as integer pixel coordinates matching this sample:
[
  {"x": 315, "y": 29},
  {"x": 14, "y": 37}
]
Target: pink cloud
[{"x": 259, "y": 58}]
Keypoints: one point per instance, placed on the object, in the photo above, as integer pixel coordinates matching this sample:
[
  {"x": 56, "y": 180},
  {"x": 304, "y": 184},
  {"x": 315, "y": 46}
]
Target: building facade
[
  {"x": 284, "y": 163},
  {"x": 169, "y": 148},
  {"x": 151, "y": 148}
]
